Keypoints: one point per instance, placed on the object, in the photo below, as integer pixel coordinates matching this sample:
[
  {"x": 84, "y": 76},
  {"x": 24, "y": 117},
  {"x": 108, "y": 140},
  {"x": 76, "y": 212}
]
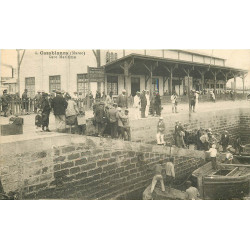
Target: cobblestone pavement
[{"x": 29, "y": 120}]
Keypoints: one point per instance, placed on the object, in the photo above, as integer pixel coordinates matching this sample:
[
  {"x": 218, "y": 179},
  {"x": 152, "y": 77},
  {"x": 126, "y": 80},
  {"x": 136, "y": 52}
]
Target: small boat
[
  {"x": 172, "y": 194},
  {"x": 244, "y": 156},
  {"x": 230, "y": 181}
]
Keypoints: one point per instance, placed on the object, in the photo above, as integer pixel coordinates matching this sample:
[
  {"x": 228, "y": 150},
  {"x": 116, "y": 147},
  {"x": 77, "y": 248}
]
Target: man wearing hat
[
  {"x": 137, "y": 105},
  {"x": 126, "y": 125},
  {"x": 25, "y": 101},
  {"x": 45, "y": 108},
  {"x": 59, "y": 106},
  {"x": 160, "y": 132},
  {"x": 120, "y": 129},
  {"x": 38, "y": 99},
  {"x": 192, "y": 100},
  {"x": 143, "y": 104},
  {"x": 100, "y": 118},
  {"x": 224, "y": 140},
  {"x": 113, "y": 120},
  {"x": 122, "y": 100},
  {"x": 5, "y": 100}
]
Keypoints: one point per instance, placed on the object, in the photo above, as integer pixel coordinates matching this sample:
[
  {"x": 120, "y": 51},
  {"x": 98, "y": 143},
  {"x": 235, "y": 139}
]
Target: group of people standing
[
  {"x": 65, "y": 110},
  {"x": 111, "y": 120},
  {"x": 147, "y": 105}
]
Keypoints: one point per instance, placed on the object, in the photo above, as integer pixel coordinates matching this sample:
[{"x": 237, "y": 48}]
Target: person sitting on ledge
[
  {"x": 192, "y": 192},
  {"x": 157, "y": 177},
  {"x": 170, "y": 173}
]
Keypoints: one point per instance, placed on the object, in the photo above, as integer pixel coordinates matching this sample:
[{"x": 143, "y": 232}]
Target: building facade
[{"x": 134, "y": 70}]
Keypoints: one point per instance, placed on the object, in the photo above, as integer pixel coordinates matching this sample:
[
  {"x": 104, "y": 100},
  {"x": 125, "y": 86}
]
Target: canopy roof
[{"x": 137, "y": 64}]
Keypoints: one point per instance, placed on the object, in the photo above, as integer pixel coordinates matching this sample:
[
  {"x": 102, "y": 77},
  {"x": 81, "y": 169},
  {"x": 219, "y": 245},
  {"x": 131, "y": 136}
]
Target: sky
[{"x": 234, "y": 58}]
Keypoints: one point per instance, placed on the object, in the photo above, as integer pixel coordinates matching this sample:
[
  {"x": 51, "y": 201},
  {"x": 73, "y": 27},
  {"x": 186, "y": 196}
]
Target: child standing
[
  {"x": 38, "y": 120},
  {"x": 160, "y": 132},
  {"x": 213, "y": 154},
  {"x": 81, "y": 121}
]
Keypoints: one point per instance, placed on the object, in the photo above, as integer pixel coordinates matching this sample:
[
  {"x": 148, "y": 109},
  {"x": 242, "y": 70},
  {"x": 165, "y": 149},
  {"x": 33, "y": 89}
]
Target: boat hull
[{"x": 218, "y": 187}]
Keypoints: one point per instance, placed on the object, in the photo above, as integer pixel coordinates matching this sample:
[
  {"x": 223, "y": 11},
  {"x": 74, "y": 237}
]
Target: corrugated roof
[{"x": 194, "y": 52}]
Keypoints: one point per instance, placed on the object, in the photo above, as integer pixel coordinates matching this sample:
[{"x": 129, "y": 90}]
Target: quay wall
[
  {"x": 88, "y": 168},
  {"x": 235, "y": 121},
  {"x": 245, "y": 125}
]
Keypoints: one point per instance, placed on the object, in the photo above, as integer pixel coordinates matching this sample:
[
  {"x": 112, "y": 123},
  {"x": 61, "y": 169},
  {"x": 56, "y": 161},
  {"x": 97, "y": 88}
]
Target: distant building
[
  {"x": 133, "y": 70},
  {"x": 10, "y": 84}
]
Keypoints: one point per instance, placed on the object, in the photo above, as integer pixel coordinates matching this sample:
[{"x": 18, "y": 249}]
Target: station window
[
  {"x": 112, "y": 84},
  {"x": 30, "y": 86},
  {"x": 82, "y": 84},
  {"x": 54, "y": 83}
]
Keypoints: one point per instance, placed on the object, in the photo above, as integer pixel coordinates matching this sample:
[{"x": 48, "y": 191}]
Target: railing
[
  {"x": 18, "y": 107},
  {"x": 207, "y": 98}
]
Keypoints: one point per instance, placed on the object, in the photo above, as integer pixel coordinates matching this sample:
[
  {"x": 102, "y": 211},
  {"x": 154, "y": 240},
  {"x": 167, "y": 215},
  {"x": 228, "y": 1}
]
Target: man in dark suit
[
  {"x": 122, "y": 101},
  {"x": 224, "y": 141},
  {"x": 100, "y": 118},
  {"x": 59, "y": 105}
]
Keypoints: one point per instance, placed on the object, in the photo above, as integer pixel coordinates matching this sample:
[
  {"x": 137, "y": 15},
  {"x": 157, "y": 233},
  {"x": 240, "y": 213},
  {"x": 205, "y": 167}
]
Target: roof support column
[
  {"x": 150, "y": 69},
  {"x": 202, "y": 73},
  {"x": 215, "y": 79},
  {"x": 234, "y": 84},
  {"x": 170, "y": 71},
  {"x": 225, "y": 75},
  {"x": 187, "y": 71},
  {"x": 171, "y": 81},
  {"x": 165, "y": 78},
  {"x": 126, "y": 66},
  {"x": 243, "y": 82}
]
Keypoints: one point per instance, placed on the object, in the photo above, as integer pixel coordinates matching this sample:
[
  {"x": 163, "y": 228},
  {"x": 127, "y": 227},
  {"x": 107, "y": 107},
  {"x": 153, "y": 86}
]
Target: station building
[{"x": 134, "y": 70}]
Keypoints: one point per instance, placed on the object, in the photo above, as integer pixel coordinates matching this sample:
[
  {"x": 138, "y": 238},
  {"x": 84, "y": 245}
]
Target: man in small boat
[
  {"x": 224, "y": 140},
  {"x": 229, "y": 156},
  {"x": 238, "y": 145},
  {"x": 192, "y": 192},
  {"x": 213, "y": 154},
  {"x": 157, "y": 177}
]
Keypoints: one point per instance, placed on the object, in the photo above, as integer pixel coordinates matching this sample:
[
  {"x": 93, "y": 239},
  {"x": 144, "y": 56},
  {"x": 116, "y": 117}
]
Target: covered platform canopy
[{"x": 149, "y": 66}]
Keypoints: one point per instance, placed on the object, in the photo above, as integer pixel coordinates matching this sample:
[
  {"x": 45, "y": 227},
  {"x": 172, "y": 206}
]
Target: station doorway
[{"x": 135, "y": 85}]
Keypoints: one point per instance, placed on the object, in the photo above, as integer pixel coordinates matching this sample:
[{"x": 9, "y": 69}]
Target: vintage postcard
[{"x": 163, "y": 124}]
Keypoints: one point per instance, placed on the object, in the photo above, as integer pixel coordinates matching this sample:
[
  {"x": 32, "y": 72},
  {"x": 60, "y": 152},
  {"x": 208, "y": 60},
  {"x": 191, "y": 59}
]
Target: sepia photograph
[
  {"x": 124, "y": 125},
  {"x": 104, "y": 124}
]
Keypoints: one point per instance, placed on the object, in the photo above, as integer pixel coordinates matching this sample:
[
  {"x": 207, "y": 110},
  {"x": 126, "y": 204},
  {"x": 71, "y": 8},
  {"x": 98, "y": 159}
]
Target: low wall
[
  {"x": 234, "y": 121},
  {"x": 88, "y": 168}
]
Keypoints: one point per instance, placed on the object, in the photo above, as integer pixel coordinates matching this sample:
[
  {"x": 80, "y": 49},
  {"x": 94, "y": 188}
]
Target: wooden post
[
  {"x": 189, "y": 92},
  {"x": 215, "y": 79},
  {"x": 226, "y": 82},
  {"x": 202, "y": 80},
  {"x": 234, "y": 84},
  {"x": 243, "y": 82},
  {"x": 88, "y": 92},
  {"x": 18, "y": 72},
  {"x": 187, "y": 71},
  {"x": 170, "y": 81}
]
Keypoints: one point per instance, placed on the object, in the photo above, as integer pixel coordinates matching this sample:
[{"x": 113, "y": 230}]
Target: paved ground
[{"x": 29, "y": 120}]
